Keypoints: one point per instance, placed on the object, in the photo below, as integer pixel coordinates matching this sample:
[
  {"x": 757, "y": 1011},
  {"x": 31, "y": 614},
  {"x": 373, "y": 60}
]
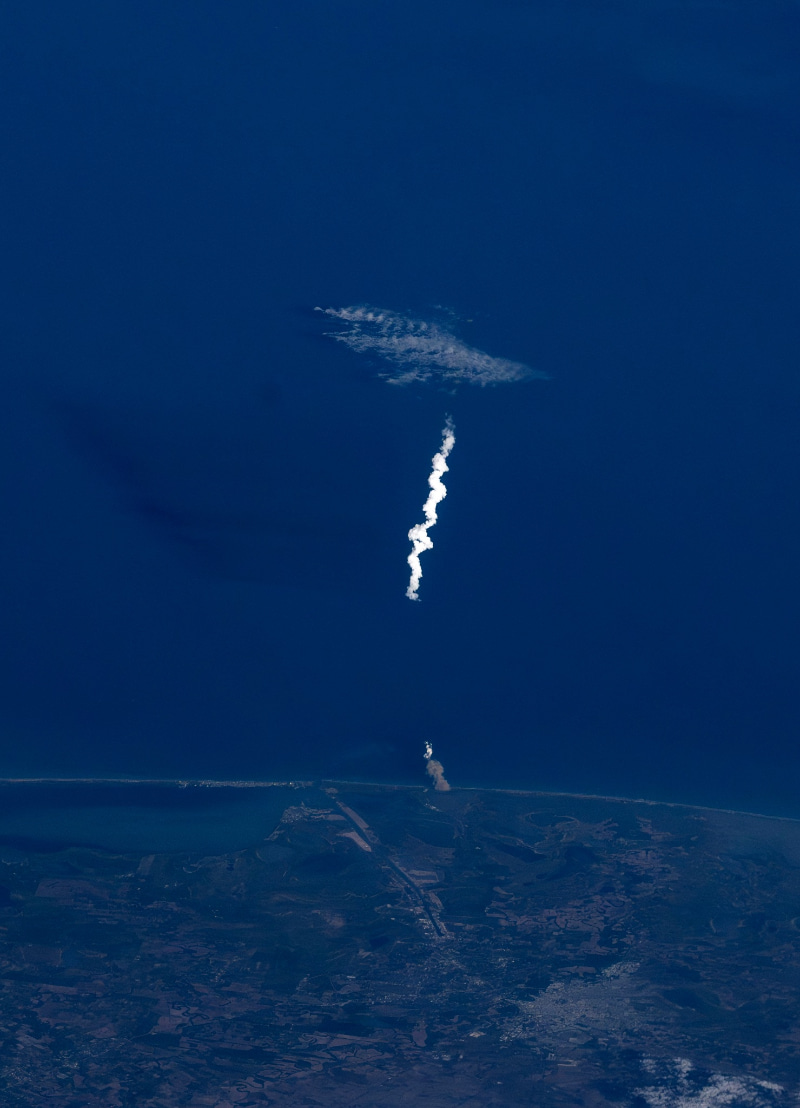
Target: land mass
[{"x": 384, "y": 944}]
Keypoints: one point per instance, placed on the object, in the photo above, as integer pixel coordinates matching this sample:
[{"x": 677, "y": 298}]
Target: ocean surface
[
  {"x": 157, "y": 816},
  {"x": 206, "y": 497}
]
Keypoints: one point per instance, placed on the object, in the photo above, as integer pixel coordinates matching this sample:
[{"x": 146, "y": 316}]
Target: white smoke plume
[
  {"x": 418, "y": 350},
  {"x": 435, "y": 770},
  {"x": 420, "y": 539}
]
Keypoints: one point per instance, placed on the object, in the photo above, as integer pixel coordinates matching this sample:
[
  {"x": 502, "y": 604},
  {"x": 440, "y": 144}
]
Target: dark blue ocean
[{"x": 206, "y": 498}]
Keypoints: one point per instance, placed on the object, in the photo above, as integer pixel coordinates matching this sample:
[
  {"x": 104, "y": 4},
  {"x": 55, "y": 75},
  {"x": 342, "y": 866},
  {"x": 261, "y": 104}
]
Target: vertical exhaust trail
[{"x": 420, "y": 540}]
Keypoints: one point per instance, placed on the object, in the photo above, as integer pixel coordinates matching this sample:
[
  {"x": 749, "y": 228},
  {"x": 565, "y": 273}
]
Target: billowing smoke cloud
[
  {"x": 418, "y": 350},
  {"x": 420, "y": 539},
  {"x": 435, "y": 770}
]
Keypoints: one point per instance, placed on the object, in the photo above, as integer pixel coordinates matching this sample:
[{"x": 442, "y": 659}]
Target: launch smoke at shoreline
[
  {"x": 435, "y": 770},
  {"x": 420, "y": 540}
]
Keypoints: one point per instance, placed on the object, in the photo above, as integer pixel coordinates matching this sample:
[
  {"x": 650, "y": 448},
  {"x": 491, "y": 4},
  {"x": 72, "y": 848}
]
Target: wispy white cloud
[
  {"x": 420, "y": 539},
  {"x": 418, "y": 350},
  {"x": 680, "y": 1085}
]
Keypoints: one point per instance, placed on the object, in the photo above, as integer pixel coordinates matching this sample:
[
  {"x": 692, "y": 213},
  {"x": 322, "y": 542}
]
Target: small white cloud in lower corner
[{"x": 680, "y": 1084}]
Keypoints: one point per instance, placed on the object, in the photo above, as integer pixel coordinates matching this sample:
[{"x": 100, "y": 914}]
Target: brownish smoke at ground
[{"x": 435, "y": 770}]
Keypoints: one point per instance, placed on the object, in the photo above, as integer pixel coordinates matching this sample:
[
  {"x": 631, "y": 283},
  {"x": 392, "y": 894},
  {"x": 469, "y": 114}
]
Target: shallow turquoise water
[{"x": 154, "y": 818}]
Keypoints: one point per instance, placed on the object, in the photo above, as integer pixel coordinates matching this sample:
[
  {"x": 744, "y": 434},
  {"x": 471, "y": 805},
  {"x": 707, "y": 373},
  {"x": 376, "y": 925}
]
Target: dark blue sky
[{"x": 206, "y": 502}]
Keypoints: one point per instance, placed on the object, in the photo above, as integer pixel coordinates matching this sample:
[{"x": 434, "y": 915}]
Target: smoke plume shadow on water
[{"x": 239, "y": 503}]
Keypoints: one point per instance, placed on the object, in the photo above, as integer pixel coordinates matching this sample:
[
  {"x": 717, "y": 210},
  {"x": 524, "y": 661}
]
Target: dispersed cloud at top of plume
[{"x": 419, "y": 350}]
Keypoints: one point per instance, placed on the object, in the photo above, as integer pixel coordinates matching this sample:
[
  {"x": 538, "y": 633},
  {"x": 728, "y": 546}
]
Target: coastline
[{"x": 328, "y": 782}]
